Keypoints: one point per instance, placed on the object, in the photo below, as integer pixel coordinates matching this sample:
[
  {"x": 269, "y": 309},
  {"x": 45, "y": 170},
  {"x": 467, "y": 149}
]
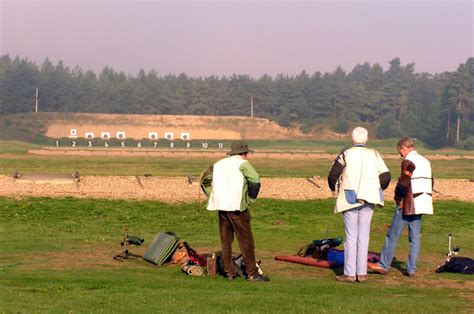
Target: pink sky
[{"x": 244, "y": 37}]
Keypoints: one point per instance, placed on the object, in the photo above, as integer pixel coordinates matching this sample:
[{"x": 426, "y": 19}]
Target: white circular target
[
  {"x": 89, "y": 135},
  {"x": 121, "y": 135},
  {"x": 105, "y": 135},
  {"x": 185, "y": 136},
  {"x": 73, "y": 133},
  {"x": 153, "y": 135},
  {"x": 169, "y": 135}
]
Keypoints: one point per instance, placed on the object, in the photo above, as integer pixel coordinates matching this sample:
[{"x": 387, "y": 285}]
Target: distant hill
[{"x": 34, "y": 126}]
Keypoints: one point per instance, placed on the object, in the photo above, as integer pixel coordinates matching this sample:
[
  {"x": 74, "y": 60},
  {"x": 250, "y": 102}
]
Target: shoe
[
  {"x": 375, "y": 267},
  {"x": 258, "y": 278},
  {"x": 362, "y": 278},
  {"x": 409, "y": 275},
  {"x": 345, "y": 278}
]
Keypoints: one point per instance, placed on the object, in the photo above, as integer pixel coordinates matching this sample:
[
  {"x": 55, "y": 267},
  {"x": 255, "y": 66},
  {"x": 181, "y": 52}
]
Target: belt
[{"x": 235, "y": 212}]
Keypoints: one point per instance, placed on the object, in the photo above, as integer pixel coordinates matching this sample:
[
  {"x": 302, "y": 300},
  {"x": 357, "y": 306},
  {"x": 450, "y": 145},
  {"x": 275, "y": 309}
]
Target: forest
[{"x": 435, "y": 108}]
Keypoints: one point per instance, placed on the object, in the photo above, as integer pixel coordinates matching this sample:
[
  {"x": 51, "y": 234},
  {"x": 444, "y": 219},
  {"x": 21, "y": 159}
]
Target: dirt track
[{"x": 177, "y": 189}]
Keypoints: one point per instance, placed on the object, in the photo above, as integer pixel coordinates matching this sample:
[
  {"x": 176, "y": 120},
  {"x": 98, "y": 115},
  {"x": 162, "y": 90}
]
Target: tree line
[{"x": 436, "y": 108}]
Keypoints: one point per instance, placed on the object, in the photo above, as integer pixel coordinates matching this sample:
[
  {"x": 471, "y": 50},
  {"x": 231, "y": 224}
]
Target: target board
[{"x": 119, "y": 139}]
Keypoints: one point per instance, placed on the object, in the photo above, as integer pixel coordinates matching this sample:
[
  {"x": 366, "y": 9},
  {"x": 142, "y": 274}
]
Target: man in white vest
[
  {"x": 413, "y": 195},
  {"x": 231, "y": 184},
  {"x": 357, "y": 177}
]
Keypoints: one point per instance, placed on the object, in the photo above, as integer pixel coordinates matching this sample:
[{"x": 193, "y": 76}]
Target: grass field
[
  {"x": 386, "y": 146},
  {"x": 182, "y": 166},
  {"x": 14, "y": 157},
  {"x": 57, "y": 257}
]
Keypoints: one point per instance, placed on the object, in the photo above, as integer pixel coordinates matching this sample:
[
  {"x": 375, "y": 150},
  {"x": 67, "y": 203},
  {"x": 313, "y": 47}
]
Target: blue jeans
[{"x": 414, "y": 233}]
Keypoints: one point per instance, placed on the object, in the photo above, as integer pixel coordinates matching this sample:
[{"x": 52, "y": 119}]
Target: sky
[{"x": 204, "y": 38}]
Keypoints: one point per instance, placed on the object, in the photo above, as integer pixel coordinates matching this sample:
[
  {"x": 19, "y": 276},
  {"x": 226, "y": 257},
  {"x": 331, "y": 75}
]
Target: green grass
[
  {"x": 16, "y": 147},
  {"x": 386, "y": 146},
  {"x": 56, "y": 257},
  {"x": 14, "y": 157},
  {"x": 182, "y": 166}
]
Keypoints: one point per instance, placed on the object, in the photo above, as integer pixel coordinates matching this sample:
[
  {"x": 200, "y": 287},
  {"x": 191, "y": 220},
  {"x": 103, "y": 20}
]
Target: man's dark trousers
[{"x": 238, "y": 223}]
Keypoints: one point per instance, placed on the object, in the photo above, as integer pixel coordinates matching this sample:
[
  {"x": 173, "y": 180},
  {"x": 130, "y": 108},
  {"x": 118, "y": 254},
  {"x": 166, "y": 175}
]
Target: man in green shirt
[{"x": 231, "y": 184}]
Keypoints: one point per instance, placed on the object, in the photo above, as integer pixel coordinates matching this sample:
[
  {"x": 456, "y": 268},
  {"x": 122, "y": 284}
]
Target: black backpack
[{"x": 462, "y": 265}]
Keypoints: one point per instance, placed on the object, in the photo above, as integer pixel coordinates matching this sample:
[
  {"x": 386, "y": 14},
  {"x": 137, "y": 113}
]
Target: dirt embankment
[
  {"x": 178, "y": 189},
  {"x": 139, "y": 126}
]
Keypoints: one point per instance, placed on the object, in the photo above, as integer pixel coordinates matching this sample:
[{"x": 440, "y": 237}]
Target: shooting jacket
[
  {"x": 358, "y": 175},
  {"x": 415, "y": 185},
  {"x": 231, "y": 184}
]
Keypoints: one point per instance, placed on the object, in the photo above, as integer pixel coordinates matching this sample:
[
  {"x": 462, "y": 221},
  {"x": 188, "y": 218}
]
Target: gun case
[{"x": 161, "y": 248}]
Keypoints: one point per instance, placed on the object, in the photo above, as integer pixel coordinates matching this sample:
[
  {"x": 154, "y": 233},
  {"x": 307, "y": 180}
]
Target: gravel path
[{"x": 178, "y": 189}]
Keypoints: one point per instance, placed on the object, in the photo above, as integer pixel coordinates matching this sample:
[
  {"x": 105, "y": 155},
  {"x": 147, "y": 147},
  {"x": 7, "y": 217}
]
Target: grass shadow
[
  {"x": 338, "y": 271},
  {"x": 399, "y": 265}
]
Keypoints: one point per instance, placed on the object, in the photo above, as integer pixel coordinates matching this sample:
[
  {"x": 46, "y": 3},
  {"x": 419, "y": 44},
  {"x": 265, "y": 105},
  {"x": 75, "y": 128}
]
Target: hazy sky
[{"x": 243, "y": 37}]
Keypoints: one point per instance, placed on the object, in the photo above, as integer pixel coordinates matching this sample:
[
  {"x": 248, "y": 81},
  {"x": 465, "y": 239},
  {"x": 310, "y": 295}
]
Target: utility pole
[
  {"x": 36, "y": 102},
  {"x": 251, "y": 105}
]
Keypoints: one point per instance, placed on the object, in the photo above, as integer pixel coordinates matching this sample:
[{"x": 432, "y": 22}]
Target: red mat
[{"x": 304, "y": 260}]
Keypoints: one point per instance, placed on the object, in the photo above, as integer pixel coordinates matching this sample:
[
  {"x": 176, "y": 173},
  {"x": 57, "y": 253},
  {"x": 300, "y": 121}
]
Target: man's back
[
  {"x": 227, "y": 184},
  {"x": 360, "y": 180}
]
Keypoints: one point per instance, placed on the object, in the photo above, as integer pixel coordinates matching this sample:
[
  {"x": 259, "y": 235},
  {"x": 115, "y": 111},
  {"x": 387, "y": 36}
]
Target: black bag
[
  {"x": 319, "y": 248},
  {"x": 462, "y": 265},
  {"x": 238, "y": 263}
]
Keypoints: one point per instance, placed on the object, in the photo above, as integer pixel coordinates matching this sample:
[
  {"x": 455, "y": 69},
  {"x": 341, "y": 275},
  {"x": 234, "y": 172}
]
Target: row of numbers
[{"x": 204, "y": 145}]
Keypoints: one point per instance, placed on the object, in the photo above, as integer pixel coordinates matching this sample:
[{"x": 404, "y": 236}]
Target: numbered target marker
[
  {"x": 121, "y": 135},
  {"x": 73, "y": 133},
  {"x": 185, "y": 136},
  {"x": 204, "y": 145},
  {"x": 220, "y": 145},
  {"x": 169, "y": 135},
  {"x": 89, "y": 135},
  {"x": 105, "y": 135},
  {"x": 153, "y": 135}
]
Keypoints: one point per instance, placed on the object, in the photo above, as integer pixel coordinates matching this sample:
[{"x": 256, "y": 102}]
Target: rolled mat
[{"x": 192, "y": 270}]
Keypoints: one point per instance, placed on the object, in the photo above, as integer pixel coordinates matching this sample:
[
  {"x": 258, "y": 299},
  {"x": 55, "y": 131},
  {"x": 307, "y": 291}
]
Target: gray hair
[
  {"x": 360, "y": 135},
  {"x": 405, "y": 142}
]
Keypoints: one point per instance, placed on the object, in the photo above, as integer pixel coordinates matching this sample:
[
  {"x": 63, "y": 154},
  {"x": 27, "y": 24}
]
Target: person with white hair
[{"x": 357, "y": 179}]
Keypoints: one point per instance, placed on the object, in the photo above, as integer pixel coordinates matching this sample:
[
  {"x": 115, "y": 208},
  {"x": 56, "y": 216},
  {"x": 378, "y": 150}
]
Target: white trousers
[{"x": 356, "y": 247}]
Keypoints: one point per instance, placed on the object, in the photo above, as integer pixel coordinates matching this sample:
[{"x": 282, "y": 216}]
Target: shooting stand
[
  {"x": 127, "y": 240},
  {"x": 53, "y": 179},
  {"x": 126, "y": 255}
]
